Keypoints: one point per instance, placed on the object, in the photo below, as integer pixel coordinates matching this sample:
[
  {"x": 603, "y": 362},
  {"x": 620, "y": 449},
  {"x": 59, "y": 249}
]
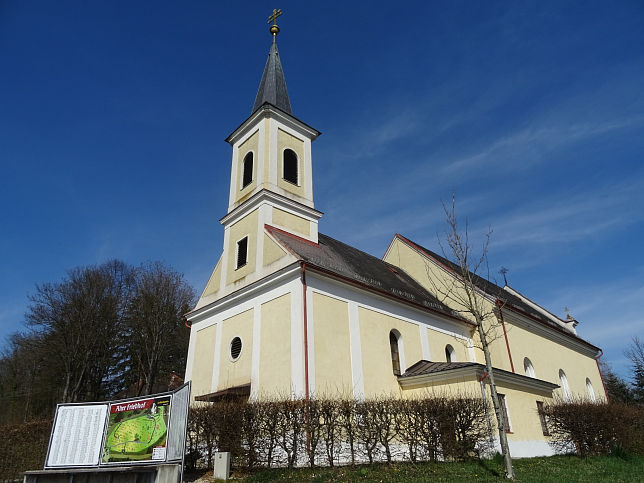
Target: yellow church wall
[
  {"x": 332, "y": 346},
  {"x": 376, "y": 353},
  {"x": 247, "y": 226},
  {"x": 498, "y": 348},
  {"x": 214, "y": 281},
  {"x": 272, "y": 251},
  {"x": 250, "y": 144},
  {"x": 235, "y": 373},
  {"x": 439, "y": 340},
  {"x": 275, "y": 356},
  {"x": 203, "y": 361},
  {"x": 285, "y": 140},
  {"x": 549, "y": 357},
  {"x": 267, "y": 151},
  {"x": 522, "y": 412},
  {"x": 291, "y": 222},
  {"x": 420, "y": 268},
  {"x": 463, "y": 387}
]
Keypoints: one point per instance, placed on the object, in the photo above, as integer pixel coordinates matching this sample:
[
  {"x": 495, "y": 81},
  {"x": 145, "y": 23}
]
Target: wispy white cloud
[
  {"x": 609, "y": 313},
  {"x": 532, "y": 145},
  {"x": 566, "y": 219}
]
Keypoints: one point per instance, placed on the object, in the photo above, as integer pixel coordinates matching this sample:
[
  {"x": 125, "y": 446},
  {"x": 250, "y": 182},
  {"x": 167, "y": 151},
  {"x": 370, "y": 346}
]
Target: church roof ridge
[{"x": 272, "y": 87}]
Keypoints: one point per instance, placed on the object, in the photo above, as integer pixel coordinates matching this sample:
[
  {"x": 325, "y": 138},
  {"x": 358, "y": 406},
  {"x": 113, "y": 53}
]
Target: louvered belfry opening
[
  {"x": 235, "y": 347},
  {"x": 395, "y": 354},
  {"x": 242, "y": 252}
]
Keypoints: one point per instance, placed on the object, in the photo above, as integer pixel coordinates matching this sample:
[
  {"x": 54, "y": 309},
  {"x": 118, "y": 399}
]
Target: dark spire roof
[{"x": 272, "y": 88}]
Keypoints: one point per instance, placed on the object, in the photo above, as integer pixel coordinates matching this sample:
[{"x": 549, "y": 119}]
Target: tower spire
[{"x": 272, "y": 87}]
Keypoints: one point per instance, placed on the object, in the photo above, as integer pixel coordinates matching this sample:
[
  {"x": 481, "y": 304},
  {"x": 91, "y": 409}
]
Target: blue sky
[{"x": 113, "y": 116}]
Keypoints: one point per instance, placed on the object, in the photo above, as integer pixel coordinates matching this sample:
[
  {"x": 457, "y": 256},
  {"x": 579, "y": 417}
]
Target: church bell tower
[{"x": 271, "y": 177}]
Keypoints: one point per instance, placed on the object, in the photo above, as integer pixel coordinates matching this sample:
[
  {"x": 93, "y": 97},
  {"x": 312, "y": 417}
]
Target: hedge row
[
  {"x": 588, "y": 428},
  {"x": 23, "y": 447},
  {"x": 330, "y": 431}
]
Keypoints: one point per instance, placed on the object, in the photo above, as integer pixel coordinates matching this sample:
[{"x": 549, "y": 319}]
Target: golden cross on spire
[{"x": 273, "y": 18}]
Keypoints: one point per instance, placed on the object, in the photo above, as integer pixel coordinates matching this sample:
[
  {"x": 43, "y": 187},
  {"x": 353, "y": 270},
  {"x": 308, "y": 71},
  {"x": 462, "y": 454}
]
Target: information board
[
  {"x": 148, "y": 430},
  {"x": 77, "y": 435},
  {"x": 137, "y": 430},
  {"x": 178, "y": 424}
]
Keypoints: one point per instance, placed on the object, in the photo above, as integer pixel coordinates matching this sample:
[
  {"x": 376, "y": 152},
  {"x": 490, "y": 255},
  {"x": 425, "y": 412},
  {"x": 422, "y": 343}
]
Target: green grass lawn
[{"x": 556, "y": 468}]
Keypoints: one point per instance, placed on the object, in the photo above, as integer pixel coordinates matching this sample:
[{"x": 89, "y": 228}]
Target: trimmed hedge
[
  {"x": 331, "y": 431},
  {"x": 590, "y": 428},
  {"x": 23, "y": 447}
]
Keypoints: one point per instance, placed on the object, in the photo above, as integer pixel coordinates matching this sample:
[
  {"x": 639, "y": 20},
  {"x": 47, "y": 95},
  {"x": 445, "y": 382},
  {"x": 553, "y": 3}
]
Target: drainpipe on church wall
[
  {"x": 306, "y": 339},
  {"x": 601, "y": 376},
  {"x": 505, "y": 334}
]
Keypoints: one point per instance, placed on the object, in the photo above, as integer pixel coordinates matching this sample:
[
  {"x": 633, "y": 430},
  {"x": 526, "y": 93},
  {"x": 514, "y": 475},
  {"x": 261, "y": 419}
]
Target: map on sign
[{"x": 137, "y": 430}]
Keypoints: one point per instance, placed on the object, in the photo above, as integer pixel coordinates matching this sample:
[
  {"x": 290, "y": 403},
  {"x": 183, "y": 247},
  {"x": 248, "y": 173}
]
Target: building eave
[
  {"x": 265, "y": 195},
  {"x": 197, "y": 315},
  {"x": 475, "y": 372},
  {"x": 269, "y": 110}
]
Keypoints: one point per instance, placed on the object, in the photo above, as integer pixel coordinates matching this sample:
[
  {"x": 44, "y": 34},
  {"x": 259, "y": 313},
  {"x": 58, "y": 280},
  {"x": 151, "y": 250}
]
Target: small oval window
[{"x": 235, "y": 348}]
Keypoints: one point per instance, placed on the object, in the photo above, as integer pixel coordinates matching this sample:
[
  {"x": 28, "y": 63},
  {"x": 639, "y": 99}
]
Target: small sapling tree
[{"x": 463, "y": 290}]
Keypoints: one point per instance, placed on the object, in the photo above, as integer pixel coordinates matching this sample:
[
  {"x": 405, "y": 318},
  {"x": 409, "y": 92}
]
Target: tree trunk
[{"x": 500, "y": 417}]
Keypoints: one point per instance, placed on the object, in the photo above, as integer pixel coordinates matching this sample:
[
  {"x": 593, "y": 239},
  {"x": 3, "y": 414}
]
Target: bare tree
[
  {"x": 77, "y": 322},
  {"x": 462, "y": 291},
  {"x": 635, "y": 353},
  {"x": 156, "y": 339}
]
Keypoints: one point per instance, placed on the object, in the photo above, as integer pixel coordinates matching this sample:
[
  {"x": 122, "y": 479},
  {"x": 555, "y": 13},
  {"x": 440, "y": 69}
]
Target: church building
[{"x": 290, "y": 312}]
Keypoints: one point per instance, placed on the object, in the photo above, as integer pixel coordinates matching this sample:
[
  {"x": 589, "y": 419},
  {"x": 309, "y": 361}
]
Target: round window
[{"x": 235, "y": 348}]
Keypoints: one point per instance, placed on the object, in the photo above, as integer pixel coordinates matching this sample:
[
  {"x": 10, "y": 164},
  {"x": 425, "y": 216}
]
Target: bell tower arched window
[
  {"x": 395, "y": 352},
  {"x": 290, "y": 166},
  {"x": 247, "y": 172}
]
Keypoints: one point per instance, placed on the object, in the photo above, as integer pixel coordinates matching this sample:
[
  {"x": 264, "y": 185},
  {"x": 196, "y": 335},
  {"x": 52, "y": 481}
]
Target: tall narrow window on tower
[
  {"x": 247, "y": 175},
  {"x": 290, "y": 166},
  {"x": 242, "y": 252}
]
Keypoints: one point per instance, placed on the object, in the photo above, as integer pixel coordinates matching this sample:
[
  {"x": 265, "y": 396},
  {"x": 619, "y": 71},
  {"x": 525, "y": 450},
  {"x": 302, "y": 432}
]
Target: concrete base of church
[
  {"x": 167, "y": 473},
  {"x": 526, "y": 449}
]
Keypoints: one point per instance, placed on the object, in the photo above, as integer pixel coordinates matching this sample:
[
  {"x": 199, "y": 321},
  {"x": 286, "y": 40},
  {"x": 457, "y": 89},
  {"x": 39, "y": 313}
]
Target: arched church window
[
  {"x": 565, "y": 388},
  {"x": 450, "y": 353},
  {"x": 290, "y": 166},
  {"x": 395, "y": 352},
  {"x": 528, "y": 368},
  {"x": 590, "y": 390},
  {"x": 247, "y": 175}
]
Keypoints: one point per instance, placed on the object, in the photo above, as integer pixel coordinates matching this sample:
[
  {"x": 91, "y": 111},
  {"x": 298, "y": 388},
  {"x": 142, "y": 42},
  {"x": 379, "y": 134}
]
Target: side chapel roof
[
  {"x": 429, "y": 368},
  {"x": 349, "y": 263},
  {"x": 272, "y": 87}
]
